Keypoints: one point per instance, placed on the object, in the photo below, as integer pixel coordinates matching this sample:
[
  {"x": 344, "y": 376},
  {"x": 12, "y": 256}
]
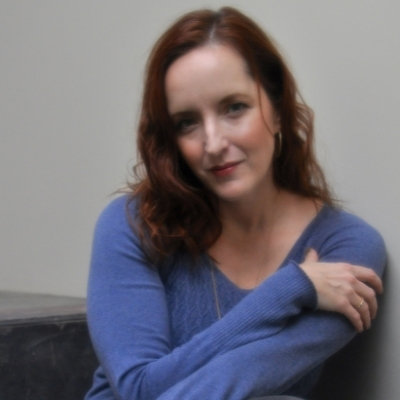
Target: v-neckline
[{"x": 294, "y": 249}]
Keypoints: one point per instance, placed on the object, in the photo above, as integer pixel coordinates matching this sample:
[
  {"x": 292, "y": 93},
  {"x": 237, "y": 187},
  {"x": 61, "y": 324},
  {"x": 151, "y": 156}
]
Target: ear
[
  {"x": 276, "y": 118},
  {"x": 278, "y": 144},
  {"x": 277, "y": 122}
]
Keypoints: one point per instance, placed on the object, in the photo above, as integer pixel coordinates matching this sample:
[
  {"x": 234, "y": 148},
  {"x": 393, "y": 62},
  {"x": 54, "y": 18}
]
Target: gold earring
[{"x": 279, "y": 147}]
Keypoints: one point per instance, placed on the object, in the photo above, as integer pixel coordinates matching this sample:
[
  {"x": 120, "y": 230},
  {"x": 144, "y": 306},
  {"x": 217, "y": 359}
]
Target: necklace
[
  {"x": 214, "y": 284},
  {"x": 215, "y": 292},
  {"x": 212, "y": 268}
]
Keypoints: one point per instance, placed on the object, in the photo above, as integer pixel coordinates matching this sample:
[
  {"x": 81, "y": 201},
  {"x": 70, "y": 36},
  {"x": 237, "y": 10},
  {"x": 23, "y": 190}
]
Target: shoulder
[
  {"x": 117, "y": 251},
  {"x": 348, "y": 238},
  {"x": 115, "y": 224},
  {"x": 345, "y": 225},
  {"x": 117, "y": 232},
  {"x": 117, "y": 210},
  {"x": 118, "y": 214}
]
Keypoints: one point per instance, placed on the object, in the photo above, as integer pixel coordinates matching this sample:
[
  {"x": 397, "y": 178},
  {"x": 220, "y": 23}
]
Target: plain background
[{"x": 70, "y": 84}]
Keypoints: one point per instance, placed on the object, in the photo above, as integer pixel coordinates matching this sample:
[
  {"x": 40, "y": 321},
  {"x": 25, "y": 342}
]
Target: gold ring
[{"x": 361, "y": 303}]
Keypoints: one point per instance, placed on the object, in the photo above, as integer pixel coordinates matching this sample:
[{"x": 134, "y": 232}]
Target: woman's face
[{"x": 224, "y": 122}]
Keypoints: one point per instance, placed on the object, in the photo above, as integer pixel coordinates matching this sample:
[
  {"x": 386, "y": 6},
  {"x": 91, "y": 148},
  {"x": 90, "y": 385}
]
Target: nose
[{"x": 215, "y": 140}]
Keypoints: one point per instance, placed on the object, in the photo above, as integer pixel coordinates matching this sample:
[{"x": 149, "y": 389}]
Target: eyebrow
[
  {"x": 225, "y": 100},
  {"x": 234, "y": 96}
]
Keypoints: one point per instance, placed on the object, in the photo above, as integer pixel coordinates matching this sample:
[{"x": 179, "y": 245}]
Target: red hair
[{"x": 176, "y": 211}]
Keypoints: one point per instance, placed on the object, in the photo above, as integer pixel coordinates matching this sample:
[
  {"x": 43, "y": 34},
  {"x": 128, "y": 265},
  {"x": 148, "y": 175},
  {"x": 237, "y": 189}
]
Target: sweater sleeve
[
  {"x": 269, "y": 366},
  {"x": 273, "y": 364},
  {"x": 129, "y": 325}
]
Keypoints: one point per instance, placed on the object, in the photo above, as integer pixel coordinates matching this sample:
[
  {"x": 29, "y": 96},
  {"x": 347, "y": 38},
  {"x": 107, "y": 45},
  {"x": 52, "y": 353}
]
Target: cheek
[
  {"x": 258, "y": 135},
  {"x": 259, "y": 146},
  {"x": 191, "y": 151}
]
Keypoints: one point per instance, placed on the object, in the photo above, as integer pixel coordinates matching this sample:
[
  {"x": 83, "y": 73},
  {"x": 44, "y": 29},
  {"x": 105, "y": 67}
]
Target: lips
[{"x": 225, "y": 169}]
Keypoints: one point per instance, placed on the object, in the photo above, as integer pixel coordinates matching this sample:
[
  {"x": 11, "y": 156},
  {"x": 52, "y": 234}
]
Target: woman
[{"x": 227, "y": 272}]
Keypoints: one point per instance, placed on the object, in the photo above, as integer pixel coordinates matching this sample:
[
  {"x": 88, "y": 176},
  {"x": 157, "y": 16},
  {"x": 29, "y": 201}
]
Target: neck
[{"x": 252, "y": 215}]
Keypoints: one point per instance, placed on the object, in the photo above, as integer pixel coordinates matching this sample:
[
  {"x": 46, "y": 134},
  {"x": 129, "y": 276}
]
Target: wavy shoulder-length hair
[{"x": 176, "y": 210}]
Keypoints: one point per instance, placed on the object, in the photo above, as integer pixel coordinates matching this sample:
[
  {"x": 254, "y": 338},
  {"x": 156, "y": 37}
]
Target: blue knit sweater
[{"x": 156, "y": 331}]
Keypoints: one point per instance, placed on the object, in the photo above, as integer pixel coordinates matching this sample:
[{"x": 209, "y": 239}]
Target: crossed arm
[{"x": 254, "y": 350}]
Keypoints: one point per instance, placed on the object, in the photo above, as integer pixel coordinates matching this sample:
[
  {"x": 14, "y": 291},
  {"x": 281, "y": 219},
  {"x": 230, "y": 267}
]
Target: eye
[
  {"x": 184, "y": 125},
  {"x": 236, "y": 108}
]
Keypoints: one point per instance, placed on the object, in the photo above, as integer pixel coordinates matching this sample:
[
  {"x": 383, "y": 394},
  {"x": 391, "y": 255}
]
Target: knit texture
[{"x": 157, "y": 334}]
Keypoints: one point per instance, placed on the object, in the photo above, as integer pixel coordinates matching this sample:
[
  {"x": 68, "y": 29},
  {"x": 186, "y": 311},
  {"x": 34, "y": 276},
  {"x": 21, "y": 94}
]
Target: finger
[
  {"x": 353, "y": 316},
  {"x": 368, "y": 276},
  {"x": 364, "y": 312},
  {"x": 369, "y": 296},
  {"x": 311, "y": 256}
]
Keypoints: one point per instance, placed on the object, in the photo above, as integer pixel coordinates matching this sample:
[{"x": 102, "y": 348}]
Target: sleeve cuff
[{"x": 311, "y": 297}]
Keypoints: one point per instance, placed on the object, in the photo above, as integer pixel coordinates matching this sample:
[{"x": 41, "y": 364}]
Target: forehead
[{"x": 206, "y": 74}]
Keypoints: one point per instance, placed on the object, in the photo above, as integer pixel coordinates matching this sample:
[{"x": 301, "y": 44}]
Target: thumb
[{"x": 311, "y": 256}]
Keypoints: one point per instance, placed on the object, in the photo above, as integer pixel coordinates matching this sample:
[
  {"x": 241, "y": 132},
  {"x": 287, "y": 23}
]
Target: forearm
[
  {"x": 143, "y": 366},
  {"x": 271, "y": 365}
]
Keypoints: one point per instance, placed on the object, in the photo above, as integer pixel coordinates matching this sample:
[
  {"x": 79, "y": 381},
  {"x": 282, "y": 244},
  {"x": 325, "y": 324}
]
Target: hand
[{"x": 344, "y": 288}]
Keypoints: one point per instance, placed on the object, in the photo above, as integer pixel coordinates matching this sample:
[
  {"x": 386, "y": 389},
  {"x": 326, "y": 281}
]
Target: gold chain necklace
[
  {"x": 214, "y": 284},
  {"x": 215, "y": 292}
]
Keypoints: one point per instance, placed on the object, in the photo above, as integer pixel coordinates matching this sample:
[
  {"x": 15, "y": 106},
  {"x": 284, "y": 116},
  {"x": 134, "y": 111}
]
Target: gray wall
[{"x": 70, "y": 85}]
